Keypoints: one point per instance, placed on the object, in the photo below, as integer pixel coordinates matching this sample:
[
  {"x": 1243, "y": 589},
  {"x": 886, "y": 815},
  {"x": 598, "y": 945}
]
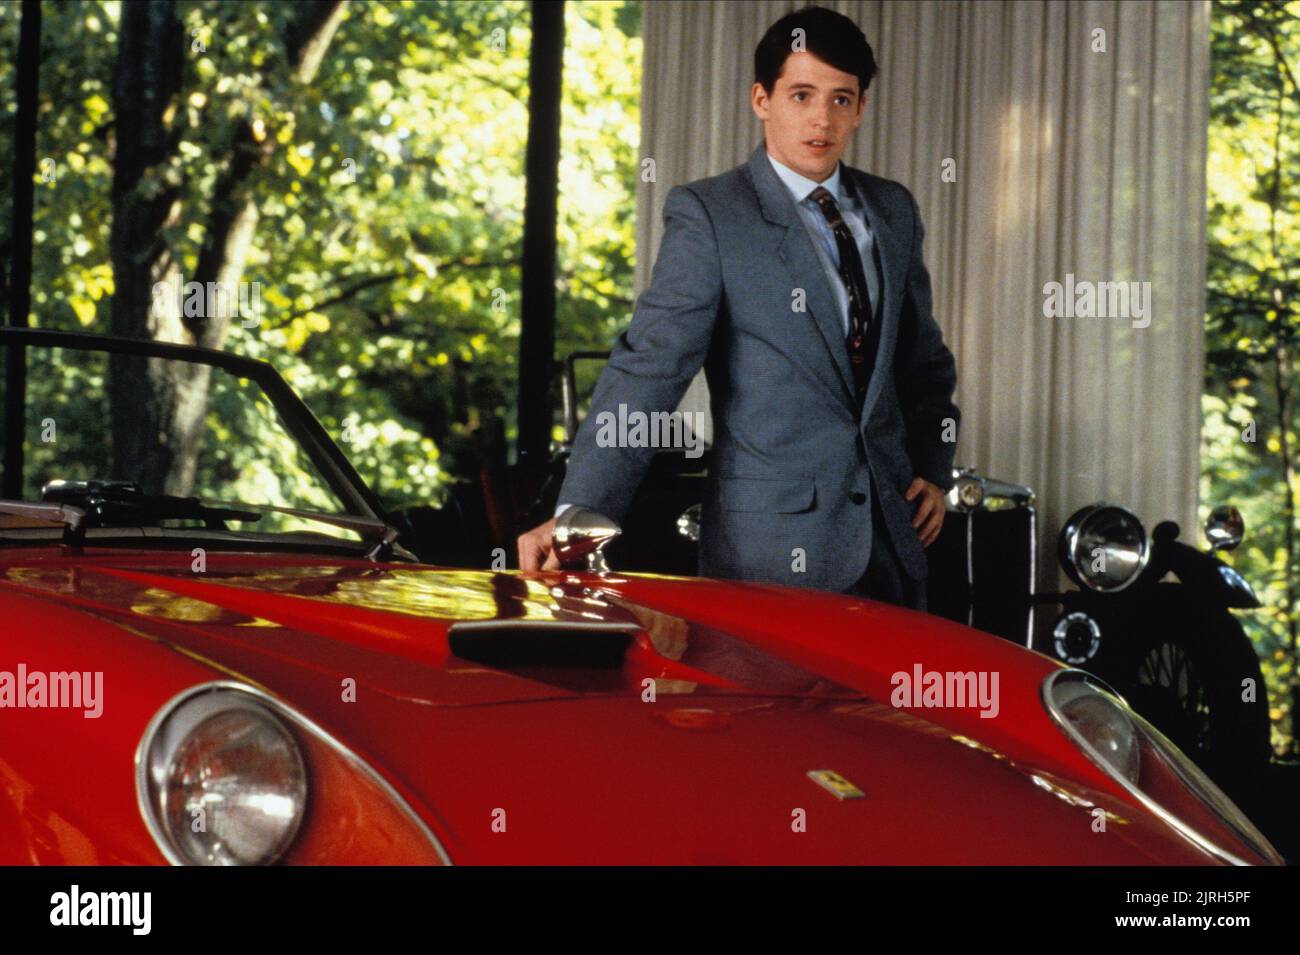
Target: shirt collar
[{"x": 801, "y": 186}]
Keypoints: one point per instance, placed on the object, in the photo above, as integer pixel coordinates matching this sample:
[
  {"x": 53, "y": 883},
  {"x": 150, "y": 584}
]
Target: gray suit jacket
[{"x": 788, "y": 495}]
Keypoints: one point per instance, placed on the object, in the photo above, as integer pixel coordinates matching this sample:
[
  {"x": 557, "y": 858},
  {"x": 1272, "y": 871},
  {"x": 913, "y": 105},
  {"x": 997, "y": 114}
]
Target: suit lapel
[{"x": 805, "y": 269}]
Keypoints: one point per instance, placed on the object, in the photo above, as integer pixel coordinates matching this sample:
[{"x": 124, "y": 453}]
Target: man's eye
[{"x": 845, "y": 99}]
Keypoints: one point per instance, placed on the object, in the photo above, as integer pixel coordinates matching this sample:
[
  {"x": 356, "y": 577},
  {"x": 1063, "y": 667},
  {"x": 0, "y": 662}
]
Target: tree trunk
[
  {"x": 143, "y": 397},
  {"x": 158, "y": 407}
]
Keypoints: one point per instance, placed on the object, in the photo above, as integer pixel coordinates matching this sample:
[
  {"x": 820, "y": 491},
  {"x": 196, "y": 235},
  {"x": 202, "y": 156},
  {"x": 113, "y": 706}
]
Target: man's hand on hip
[
  {"x": 929, "y": 513},
  {"x": 535, "y": 548}
]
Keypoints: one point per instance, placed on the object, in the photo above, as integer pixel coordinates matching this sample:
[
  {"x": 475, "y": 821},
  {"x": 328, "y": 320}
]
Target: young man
[{"x": 797, "y": 283}]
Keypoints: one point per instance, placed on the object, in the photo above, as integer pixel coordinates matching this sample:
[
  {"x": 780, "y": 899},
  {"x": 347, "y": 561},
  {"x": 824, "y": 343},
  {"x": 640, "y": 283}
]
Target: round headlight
[
  {"x": 222, "y": 780},
  {"x": 1104, "y": 547}
]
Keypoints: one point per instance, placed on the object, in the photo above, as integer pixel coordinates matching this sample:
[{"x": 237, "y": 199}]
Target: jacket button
[{"x": 857, "y": 497}]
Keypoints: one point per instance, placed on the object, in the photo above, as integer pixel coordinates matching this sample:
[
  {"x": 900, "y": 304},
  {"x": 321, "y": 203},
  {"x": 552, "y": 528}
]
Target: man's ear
[
  {"x": 862, "y": 105},
  {"x": 758, "y": 99}
]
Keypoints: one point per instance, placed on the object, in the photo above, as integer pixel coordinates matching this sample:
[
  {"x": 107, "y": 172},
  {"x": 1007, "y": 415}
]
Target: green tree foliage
[
  {"x": 1253, "y": 319},
  {"x": 389, "y": 205}
]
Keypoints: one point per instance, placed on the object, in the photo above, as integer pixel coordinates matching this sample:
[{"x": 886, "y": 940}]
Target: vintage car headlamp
[
  {"x": 221, "y": 781},
  {"x": 1149, "y": 767},
  {"x": 1104, "y": 547}
]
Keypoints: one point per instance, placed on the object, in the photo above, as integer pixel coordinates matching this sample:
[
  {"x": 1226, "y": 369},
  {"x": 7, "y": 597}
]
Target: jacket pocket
[{"x": 773, "y": 495}]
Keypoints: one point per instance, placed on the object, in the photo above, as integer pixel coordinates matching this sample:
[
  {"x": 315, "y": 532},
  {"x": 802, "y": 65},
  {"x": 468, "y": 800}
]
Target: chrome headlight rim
[
  {"x": 1144, "y": 727},
  {"x": 194, "y": 708},
  {"x": 287, "y": 714},
  {"x": 1069, "y": 547}
]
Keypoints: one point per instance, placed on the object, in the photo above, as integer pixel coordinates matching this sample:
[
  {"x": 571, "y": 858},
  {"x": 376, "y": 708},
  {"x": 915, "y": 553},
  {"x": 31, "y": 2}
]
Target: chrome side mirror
[
  {"x": 1225, "y": 527},
  {"x": 583, "y": 533}
]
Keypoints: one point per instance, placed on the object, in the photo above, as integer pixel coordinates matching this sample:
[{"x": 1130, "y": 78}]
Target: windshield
[{"x": 165, "y": 428}]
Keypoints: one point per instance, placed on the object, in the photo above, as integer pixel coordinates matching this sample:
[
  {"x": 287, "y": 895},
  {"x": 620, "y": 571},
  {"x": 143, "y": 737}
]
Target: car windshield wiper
[
  {"x": 79, "y": 505},
  {"x": 380, "y": 533},
  {"x": 123, "y": 504},
  {"x": 92, "y": 511}
]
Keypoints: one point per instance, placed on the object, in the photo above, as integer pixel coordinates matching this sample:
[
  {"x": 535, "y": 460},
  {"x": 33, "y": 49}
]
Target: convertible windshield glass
[{"x": 171, "y": 428}]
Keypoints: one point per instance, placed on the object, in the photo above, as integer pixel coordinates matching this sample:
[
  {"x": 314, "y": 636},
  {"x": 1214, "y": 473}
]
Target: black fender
[{"x": 1209, "y": 580}]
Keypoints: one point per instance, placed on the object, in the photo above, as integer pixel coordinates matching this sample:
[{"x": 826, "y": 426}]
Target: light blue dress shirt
[{"x": 823, "y": 236}]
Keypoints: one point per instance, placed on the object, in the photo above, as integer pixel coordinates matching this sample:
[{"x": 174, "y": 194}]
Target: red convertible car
[{"x": 224, "y": 653}]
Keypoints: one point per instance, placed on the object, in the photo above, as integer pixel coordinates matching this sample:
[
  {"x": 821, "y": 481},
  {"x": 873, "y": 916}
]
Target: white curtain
[{"x": 1070, "y": 160}]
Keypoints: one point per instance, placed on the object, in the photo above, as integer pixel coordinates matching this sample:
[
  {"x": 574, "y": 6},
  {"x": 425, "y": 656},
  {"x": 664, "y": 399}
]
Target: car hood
[
  {"x": 697, "y": 736},
  {"x": 435, "y": 634}
]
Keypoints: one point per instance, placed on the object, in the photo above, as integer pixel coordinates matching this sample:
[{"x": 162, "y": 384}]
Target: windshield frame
[{"x": 302, "y": 426}]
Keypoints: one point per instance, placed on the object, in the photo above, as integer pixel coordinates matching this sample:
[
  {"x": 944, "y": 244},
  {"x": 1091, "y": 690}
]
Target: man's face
[{"x": 812, "y": 101}]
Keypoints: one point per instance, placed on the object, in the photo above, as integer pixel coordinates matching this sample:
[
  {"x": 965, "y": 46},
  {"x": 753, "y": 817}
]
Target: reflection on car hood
[{"x": 353, "y": 616}]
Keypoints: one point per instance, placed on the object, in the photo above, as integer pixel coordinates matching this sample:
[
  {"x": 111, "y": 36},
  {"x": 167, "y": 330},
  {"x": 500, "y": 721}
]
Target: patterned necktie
[{"x": 855, "y": 281}]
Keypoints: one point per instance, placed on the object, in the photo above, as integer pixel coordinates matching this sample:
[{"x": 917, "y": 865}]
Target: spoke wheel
[
  {"x": 1171, "y": 693},
  {"x": 1187, "y": 670}
]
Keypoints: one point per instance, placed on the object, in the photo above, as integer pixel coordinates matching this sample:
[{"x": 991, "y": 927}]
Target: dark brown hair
[{"x": 831, "y": 37}]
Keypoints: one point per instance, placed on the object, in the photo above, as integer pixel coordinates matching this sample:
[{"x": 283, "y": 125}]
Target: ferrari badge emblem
[{"x": 835, "y": 784}]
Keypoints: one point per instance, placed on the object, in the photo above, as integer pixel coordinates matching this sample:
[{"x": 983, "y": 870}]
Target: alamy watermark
[
  {"x": 960, "y": 689},
  {"x": 657, "y": 429},
  {"x": 133, "y": 910},
  {"x": 209, "y": 299},
  {"x": 36, "y": 689},
  {"x": 1076, "y": 299}
]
